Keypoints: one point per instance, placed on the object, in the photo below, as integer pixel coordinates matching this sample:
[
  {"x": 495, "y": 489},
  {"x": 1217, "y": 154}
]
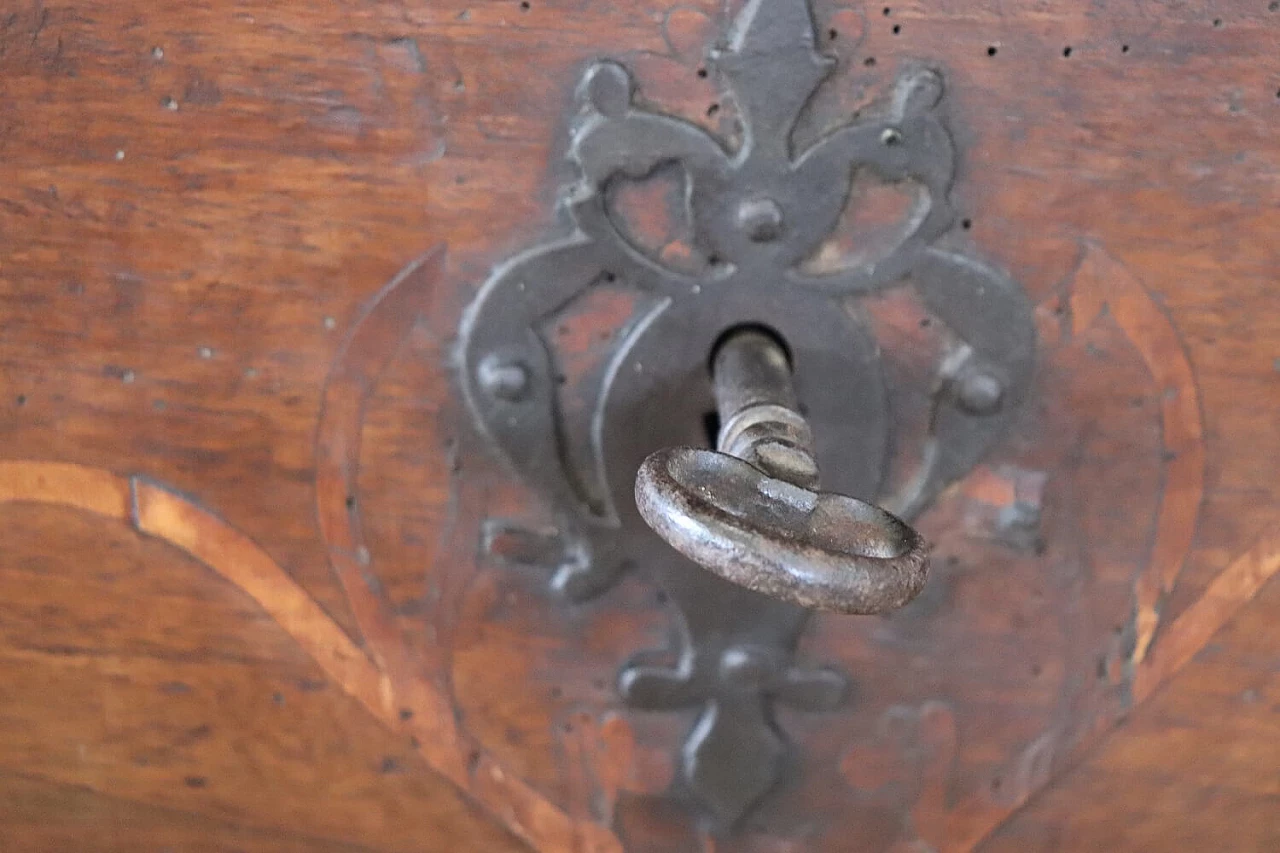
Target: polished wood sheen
[{"x": 242, "y": 603}]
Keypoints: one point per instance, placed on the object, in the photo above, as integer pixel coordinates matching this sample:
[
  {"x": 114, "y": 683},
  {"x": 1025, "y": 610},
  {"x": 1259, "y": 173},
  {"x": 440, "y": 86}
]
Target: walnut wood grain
[
  {"x": 1195, "y": 767},
  {"x": 46, "y": 817},
  {"x": 148, "y": 700}
]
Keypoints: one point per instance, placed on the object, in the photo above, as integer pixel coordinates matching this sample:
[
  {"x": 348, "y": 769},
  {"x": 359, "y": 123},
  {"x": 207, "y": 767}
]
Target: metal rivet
[
  {"x": 747, "y": 667},
  {"x": 504, "y": 378},
  {"x": 760, "y": 219},
  {"x": 890, "y": 136},
  {"x": 980, "y": 393}
]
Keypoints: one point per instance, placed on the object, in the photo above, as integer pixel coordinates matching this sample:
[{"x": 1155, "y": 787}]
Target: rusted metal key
[{"x": 751, "y": 511}]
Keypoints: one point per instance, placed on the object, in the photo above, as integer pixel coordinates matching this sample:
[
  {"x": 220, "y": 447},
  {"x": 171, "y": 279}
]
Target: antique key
[{"x": 751, "y": 510}]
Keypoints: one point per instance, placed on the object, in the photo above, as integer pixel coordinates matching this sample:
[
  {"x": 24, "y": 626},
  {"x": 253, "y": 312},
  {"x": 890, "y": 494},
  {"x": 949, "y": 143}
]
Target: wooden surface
[
  {"x": 1196, "y": 768},
  {"x": 240, "y": 600}
]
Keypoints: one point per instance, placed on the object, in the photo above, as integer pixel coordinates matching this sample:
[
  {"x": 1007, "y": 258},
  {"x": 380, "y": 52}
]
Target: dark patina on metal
[{"x": 759, "y": 210}]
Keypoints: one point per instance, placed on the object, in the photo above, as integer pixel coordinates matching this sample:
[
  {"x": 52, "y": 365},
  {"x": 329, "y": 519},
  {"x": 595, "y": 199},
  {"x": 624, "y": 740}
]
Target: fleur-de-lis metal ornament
[{"x": 758, "y": 211}]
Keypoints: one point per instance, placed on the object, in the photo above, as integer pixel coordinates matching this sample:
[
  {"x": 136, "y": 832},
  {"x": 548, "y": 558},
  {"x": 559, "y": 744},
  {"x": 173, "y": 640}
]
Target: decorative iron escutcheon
[{"x": 752, "y": 335}]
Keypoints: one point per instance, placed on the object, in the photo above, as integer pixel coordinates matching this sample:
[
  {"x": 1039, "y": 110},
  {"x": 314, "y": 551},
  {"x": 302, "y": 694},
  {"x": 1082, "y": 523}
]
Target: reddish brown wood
[
  {"x": 1194, "y": 769},
  {"x": 44, "y": 817},
  {"x": 147, "y": 701},
  {"x": 239, "y": 504}
]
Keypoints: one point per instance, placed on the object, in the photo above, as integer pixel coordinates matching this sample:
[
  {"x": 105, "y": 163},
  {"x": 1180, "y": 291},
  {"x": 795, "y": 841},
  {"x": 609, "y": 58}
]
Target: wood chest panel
[{"x": 244, "y": 603}]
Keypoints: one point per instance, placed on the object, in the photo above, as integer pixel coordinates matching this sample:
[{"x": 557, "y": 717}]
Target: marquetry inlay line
[{"x": 156, "y": 511}]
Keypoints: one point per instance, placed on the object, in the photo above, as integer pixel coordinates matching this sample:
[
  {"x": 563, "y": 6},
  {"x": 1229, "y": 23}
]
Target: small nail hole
[
  {"x": 897, "y": 29},
  {"x": 1124, "y": 48},
  {"x": 712, "y": 110},
  {"x": 992, "y": 50},
  {"x": 966, "y": 224},
  {"x": 833, "y": 34},
  {"x": 1066, "y": 52},
  {"x": 702, "y": 72},
  {"x": 870, "y": 61}
]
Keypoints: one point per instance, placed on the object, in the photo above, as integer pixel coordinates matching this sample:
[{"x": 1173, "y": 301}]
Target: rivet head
[
  {"x": 890, "y": 136},
  {"x": 979, "y": 393},
  {"x": 748, "y": 667},
  {"x": 504, "y": 378},
  {"x": 760, "y": 219}
]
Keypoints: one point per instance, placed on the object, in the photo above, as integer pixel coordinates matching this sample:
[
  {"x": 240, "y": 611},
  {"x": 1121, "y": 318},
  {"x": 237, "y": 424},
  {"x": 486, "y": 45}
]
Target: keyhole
[{"x": 711, "y": 427}]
